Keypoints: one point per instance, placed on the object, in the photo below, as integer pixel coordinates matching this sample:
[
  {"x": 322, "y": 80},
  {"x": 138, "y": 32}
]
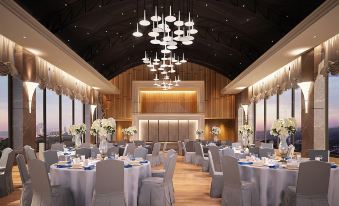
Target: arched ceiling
[{"x": 232, "y": 33}]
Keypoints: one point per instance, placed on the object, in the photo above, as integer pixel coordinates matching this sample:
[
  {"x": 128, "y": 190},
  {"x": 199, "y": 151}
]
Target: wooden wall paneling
[
  {"x": 173, "y": 130},
  {"x": 153, "y": 130},
  {"x": 192, "y": 128},
  {"x": 143, "y": 130},
  {"x": 183, "y": 129},
  {"x": 121, "y": 125},
  {"x": 163, "y": 130}
]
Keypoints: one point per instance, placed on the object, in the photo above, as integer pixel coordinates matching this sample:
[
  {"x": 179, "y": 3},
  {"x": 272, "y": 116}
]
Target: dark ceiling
[{"x": 232, "y": 33}]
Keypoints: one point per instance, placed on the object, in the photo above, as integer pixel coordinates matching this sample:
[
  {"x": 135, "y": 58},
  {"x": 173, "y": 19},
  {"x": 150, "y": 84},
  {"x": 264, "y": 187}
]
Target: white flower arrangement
[
  {"x": 284, "y": 127},
  {"x": 199, "y": 132},
  {"x": 109, "y": 124},
  {"x": 103, "y": 127},
  {"x": 77, "y": 129},
  {"x": 130, "y": 131},
  {"x": 215, "y": 130},
  {"x": 246, "y": 130}
]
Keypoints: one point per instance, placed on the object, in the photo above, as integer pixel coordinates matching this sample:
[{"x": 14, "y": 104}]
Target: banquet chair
[
  {"x": 216, "y": 158},
  {"x": 188, "y": 156},
  {"x": 43, "y": 192},
  {"x": 162, "y": 153},
  {"x": 29, "y": 153},
  {"x": 83, "y": 151},
  {"x": 158, "y": 191},
  {"x": 94, "y": 152},
  {"x": 4, "y": 157},
  {"x": 180, "y": 149},
  {"x": 57, "y": 146},
  {"x": 217, "y": 178},
  {"x": 254, "y": 150},
  {"x": 266, "y": 145},
  {"x": 6, "y": 182},
  {"x": 265, "y": 152},
  {"x": 51, "y": 157},
  {"x": 139, "y": 143},
  {"x": 199, "y": 157},
  {"x": 235, "y": 192},
  {"x": 140, "y": 152},
  {"x": 112, "y": 151},
  {"x": 109, "y": 189},
  {"x": 27, "y": 192},
  {"x": 161, "y": 172},
  {"x": 324, "y": 154},
  {"x": 312, "y": 185},
  {"x": 154, "y": 158},
  {"x": 129, "y": 149},
  {"x": 228, "y": 152},
  {"x": 85, "y": 145},
  {"x": 236, "y": 144}
]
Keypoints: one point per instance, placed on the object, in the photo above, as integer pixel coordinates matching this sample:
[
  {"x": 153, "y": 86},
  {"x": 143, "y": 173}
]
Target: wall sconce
[
  {"x": 245, "y": 108},
  {"x": 93, "y": 107},
  {"x": 30, "y": 87},
  {"x": 306, "y": 90}
]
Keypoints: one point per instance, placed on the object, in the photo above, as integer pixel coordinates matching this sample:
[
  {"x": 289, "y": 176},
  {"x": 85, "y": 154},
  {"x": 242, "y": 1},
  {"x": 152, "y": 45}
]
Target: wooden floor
[{"x": 191, "y": 187}]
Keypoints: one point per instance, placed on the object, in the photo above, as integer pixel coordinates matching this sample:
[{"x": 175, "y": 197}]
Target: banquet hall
[{"x": 169, "y": 103}]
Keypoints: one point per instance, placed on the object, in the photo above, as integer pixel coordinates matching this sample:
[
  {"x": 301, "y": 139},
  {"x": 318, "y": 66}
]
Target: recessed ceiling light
[
  {"x": 226, "y": 20},
  {"x": 243, "y": 6},
  {"x": 25, "y": 37},
  {"x": 315, "y": 36},
  {"x": 236, "y": 37},
  {"x": 298, "y": 51},
  {"x": 68, "y": 40},
  {"x": 240, "y": 88},
  {"x": 87, "y": 33},
  {"x": 106, "y": 31},
  {"x": 122, "y": 13},
  {"x": 206, "y": 5},
  {"x": 66, "y": 4},
  {"x": 272, "y": 41},
  {"x": 99, "y": 5},
  {"x": 240, "y": 63}
]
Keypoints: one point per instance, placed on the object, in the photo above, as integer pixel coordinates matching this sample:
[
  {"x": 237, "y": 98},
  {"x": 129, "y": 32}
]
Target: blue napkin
[
  {"x": 245, "y": 163},
  {"x": 90, "y": 167},
  {"x": 143, "y": 162},
  {"x": 127, "y": 166},
  {"x": 64, "y": 166},
  {"x": 66, "y": 153},
  {"x": 273, "y": 166},
  {"x": 333, "y": 166}
]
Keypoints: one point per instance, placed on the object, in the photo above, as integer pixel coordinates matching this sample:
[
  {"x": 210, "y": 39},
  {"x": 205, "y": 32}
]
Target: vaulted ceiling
[{"x": 232, "y": 33}]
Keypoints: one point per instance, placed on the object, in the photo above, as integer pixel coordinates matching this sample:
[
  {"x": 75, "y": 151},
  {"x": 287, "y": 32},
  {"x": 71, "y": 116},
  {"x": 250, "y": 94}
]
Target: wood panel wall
[{"x": 217, "y": 106}]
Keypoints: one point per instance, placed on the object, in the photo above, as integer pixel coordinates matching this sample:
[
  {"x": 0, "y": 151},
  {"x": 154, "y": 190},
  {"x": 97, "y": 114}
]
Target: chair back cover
[
  {"x": 324, "y": 154},
  {"x": 95, "y": 151},
  {"x": 51, "y": 157},
  {"x": 184, "y": 147},
  {"x": 266, "y": 145},
  {"x": 313, "y": 178},
  {"x": 129, "y": 149},
  {"x": 83, "y": 151},
  {"x": 198, "y": 149},
  {"x": 156, "y": 149},
  {"x": 139, "y": 143},
  {"x": 214, "y": 150},
  {"x": 29, "y": 153},
  {"x": 236, "y": 144},
  {"x": 85, "y": 145},
  {"x": 265, "y": 152},
  {"x": 42, "y": 192},
  {"x": 169, "y": 171},
  {"x": 228, "y": 152},
  {"x": 140, "y": 152},
  {"x": 210, "y": 157},
  {"x": 112, "y": 151},
  {"x": 231, "y": 172},
  {"x": 57, "y": 146},
  {"x": 4, "y": 156},
  {"x": 169, "y": 154},
  {"x": 164, "y": 147},
  {"x": 20, "y": 159},
  {"x": 254, "y": 150},
  {"x": 180, "y": 149}
]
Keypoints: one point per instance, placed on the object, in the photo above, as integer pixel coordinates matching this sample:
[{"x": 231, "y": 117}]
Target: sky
[
  {"x": 333, "y": 102},
  {"x": 3, "y": 103}
]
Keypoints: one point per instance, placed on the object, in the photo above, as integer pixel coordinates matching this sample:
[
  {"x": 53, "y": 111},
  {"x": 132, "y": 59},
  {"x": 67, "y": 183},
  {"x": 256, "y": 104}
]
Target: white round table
[
  {"x": 81, "y": 182},
  {"x": 270, "y": 184}
]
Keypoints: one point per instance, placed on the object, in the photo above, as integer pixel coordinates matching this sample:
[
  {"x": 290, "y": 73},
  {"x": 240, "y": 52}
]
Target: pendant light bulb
[
  {"x": 137, "y": 33},
  {"x": 170, "y": 18},
  {"x": 144, "y": 22}
]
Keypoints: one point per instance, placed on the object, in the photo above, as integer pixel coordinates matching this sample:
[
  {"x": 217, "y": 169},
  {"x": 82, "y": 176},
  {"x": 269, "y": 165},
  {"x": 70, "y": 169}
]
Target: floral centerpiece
[
  {"x": 199, "y": 132},
  {"x": 283, "y": 128},
  {"x": 246, "y": 132},
  {"x": 128, "y": 132},
  {"x": 102, "y": 128},
  {"x": 77, "y": 130},
  {"x": 216, "y": 132}
]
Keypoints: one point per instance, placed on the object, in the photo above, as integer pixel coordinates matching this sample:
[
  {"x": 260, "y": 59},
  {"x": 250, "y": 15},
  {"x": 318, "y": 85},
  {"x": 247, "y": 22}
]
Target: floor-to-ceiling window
[
  {"x": 52, "y": 116},
  {"x": 78, "y": 112},
  {"x": 67, "y": 117},
  {"x": 297, "y": 116},
  {"x": 4, "y": 134},
  {"x": 285, "y": 104},
  {"x": 271, "y": 116},
  {"x": 333, "y": 114},
  {"x": 39, "y": 112},
  {"x": 260, "y": 120}
]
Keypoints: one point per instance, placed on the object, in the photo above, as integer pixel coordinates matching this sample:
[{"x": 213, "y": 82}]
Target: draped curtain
[
  {"x": 20, "y": 63},
  {"x": 332, "y": 46},
  {"x": 285, "y": 78}
]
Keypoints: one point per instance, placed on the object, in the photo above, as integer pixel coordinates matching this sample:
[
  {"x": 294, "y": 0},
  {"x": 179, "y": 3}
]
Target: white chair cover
[
  {"x": 51, "y": 157},
  {"x": 235, "y": 191},
  {"x": 43, "y": 192},
  {"x": 217, "y": 179},
  {"x": 216, "y": 158},
  {"x": 129, "y": 149},
  {"x": 84, "y": 151},
  {"x": 157, "y": 191},
  {"x": 29, "y": 153},
  {"x": 95, "y": 151},
  {"x": 266, "y": 145},
  {"x": 312, "y": 185},
  {"x": 236, "y": 144},
  {"x": 180, "y": 149},
  {"x": 161, "y": 172},
  {"x": 324, "y": 154},
  {"x": 57, "y": 146},
  {"x": 27, "y": 192},
  {"x": 109, "y": 189},
  {"x": 140, "y": 152},
  {"x": 154, "y": 158},
  {"x": 189, "y": 156},
  {"x": 228, "y": 152},
  {"x": 265, "y": 152},
  {"x": 6, "y": 182},
  {"x": 112, "y": 151},
  {"x": 199, "y": 157},
  {"x": 4, "y": 157}
]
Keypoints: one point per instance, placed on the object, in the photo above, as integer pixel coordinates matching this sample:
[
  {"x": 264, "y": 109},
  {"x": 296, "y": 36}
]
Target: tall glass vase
[
  {"x": 77, "y": 140},
  {"x": 244, "y": 141},
  {"x": 215, "y": 138},
  {"x": 283, "y": 146},
  {"x": 103, "y": 145}
]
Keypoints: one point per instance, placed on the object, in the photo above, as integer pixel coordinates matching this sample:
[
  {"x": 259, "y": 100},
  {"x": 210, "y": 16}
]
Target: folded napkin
[
  {"x": 245, "y": 163},
  {"x": 89, "y": 167},
  {"x": 127, "y": 166},
  {"x": 64, "y": 165},
  {"x": 273, "y": 166},
  {"x": 143, "y": 162},
  {"x": 333, "y": 166}
]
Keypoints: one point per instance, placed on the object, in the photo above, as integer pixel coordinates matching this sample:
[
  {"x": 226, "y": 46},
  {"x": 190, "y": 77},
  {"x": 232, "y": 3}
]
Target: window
[
  {"x": 78, "y": 112},
  {"x": 52, "y": 116},
  {"x": 67, "y": 118},
  {"x": 333, "y": 114},
  {"x": 285, "y": 104},
  {"x": 4, "y": 108},
  {"x": 39, "y": 112},
  {"x": 271, "y": 116},
  {"x": 260, "y": 121},
  {"x": 297, "y": 116}
]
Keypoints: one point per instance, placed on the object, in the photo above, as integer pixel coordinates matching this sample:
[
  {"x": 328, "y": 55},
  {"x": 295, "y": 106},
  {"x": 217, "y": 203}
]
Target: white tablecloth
[
  {"x": 81, "y": 182},
  {"x": 270, "y": 184}
]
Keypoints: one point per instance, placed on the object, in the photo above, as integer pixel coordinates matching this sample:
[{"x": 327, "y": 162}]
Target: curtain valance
[
  {"x": 22, "y": 64},
  {"x": 332, "y": 46},
  {"x": 285, "y": 78}
]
